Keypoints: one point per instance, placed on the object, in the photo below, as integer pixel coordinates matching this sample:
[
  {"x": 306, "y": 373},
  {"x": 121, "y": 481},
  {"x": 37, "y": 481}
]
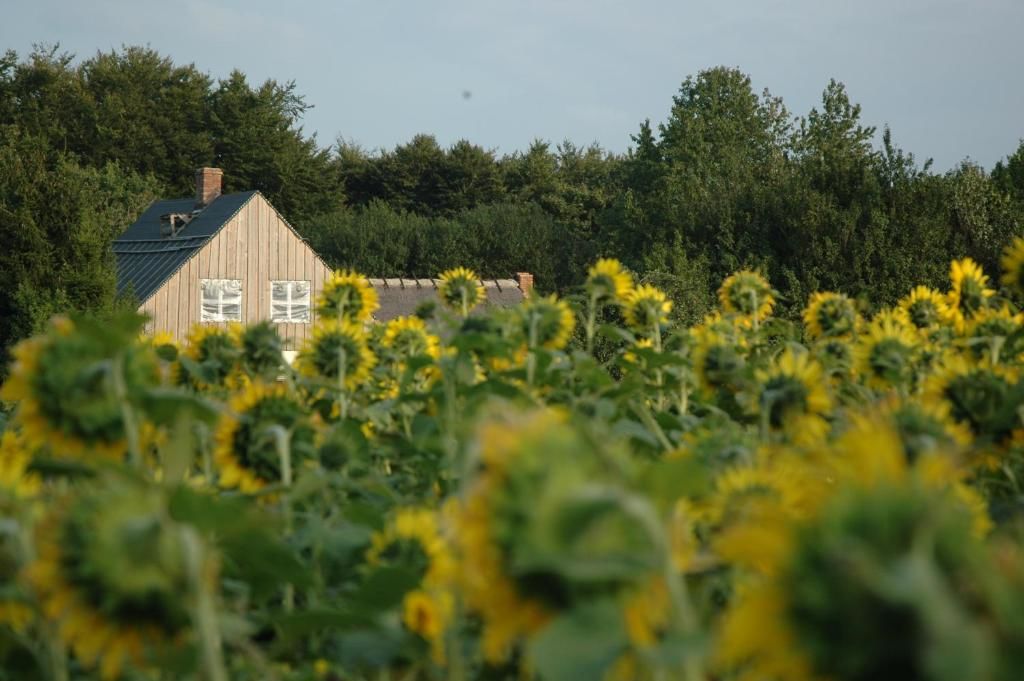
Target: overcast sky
[{"x": 946, "y": 75}]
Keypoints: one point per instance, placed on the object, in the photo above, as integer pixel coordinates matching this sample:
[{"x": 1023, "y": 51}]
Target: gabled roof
[{"x": 145, "y": 260}]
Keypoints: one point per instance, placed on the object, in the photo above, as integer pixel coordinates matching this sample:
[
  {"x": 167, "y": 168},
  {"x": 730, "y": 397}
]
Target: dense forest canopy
[{"x": 729, "y": 179}]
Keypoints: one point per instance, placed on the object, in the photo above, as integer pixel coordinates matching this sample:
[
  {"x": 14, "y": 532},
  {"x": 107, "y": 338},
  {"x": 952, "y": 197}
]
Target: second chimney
[
  {"x": 207, "y": 186},
  {"x": 525, "y": 281}
]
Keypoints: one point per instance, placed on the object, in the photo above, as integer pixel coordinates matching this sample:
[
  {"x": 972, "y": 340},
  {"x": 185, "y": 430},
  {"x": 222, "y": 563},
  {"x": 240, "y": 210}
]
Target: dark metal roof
[{"x": 145, "y": 260}]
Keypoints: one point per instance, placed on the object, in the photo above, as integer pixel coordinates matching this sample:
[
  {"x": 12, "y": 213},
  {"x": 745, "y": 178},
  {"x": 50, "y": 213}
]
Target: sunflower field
[{"x": 570, "y": 489}]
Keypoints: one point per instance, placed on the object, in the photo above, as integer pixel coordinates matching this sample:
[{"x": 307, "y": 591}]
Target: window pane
[
  {"x": 221, "y": 300},
  {"x": 300, "y": 313},
  {"x": 231, "y": 312},
  {"x": 279, "y": 312},
  {"x": 290, "y": 301},
  {"x": 211, "y": 312}
]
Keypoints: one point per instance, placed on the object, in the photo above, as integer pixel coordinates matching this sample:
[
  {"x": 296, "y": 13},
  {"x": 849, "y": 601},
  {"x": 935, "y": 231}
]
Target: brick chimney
[
  {"x": 525, "y": 281},
  {"x": 207, "y": 186}
]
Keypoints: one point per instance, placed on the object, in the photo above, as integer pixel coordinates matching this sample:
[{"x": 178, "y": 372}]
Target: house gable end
[{"x": 255, "y": 246}]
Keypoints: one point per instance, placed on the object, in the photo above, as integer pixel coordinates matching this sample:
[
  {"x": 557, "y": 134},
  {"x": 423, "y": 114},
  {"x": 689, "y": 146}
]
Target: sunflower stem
[
  {"x": 198, "y": 566},
  {"x": 591, "y": 321},
  {"x": 342, "y": 398},
  {"x": 284, "y": 453},
  {"x": 682, "y": 605},
  {"x": 56, "y": 658},
  {"x": 652, "y": 424},
  {"x": 203, "y": 435},
  {"x": 756, "y": 323},
  {"x": 531, "y": 358},
  {"x": 131, "y": 429},
  {"x": 659, "y": 376},
  {"x": 456, "y": 664},
  {"x": 450, "y": 440},
  {"x": 996, "y": 349}
]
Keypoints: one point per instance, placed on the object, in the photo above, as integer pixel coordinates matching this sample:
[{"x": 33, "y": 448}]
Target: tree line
[{"x": 729, "y": 179}]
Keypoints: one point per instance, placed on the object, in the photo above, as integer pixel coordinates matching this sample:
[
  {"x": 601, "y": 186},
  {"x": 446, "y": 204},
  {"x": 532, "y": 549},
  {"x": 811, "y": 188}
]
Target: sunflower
[
  {"x": 907, "y": 445},
  {"x": 926, "y": 308},
  {"x": 748, "y": 505},
  {"x": 412, "y": 540},
  {"x": 249, "y": 437},
  {"x": 460, "y": 290},
  {"x": 260, "y": 357},
  {"x": 17, "y": 488},
  {"x": 748, "y": 294},
  {"x": 608, "y": 280},
  {"x": 922, "y": 427},
  {"x": 507, "y": 608},
  {"x": 989, "y": 330},
  {"x": 531, "y": 541},
  {"x": 792, "y": 397},
  {"x": 15, "y": 457},
  {"x": 885, "y": 354},
  {"x": 164, "y": 345},
  {"x": 878, "y": 484},
  {"x": 646, "y": 308},
  {"x": 645, "y": 612},
  {"x": 338, "y": 351},
  {"x": 408, "y": 337},
  {"x": 110, "y": 572},
  {"x": 66, "y": 391},
  {"x": 213, "y": 353},
  {"x": 835, "y": 354},
  {"x": 16, "y": 611},
  {"x": 166, "y": 349},
  {"x": 629, "y": 356},
  {"x": 976, "y": 395},
  {"x": 970, "y": 292},
  {"x": 822, "y": 611},
  {"x": 830, "y": 315},
  {"x": 1013, "y": 266},
  {"x": 718, "y": 360},
  {"x": 545, "y": 322},
  {"x": 347, "y": 296},
  {"x": 429, "y": 614},
  {"x": 875, "y": 451}
]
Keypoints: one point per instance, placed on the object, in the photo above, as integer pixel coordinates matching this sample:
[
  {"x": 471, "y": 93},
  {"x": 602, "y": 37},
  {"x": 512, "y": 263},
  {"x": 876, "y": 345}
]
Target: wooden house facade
[{"x": 221, "y": 258}]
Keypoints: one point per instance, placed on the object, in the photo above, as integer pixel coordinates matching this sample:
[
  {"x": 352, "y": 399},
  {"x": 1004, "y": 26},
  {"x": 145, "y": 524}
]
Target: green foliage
[
  {"x": 495, "y": 240},
  {"x": 57, "y": 220},
  {"x": 730, "y": 179}
]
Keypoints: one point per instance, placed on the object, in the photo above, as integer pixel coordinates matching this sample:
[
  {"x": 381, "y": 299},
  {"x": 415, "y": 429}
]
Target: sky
[{"x": 947, "y": 76}]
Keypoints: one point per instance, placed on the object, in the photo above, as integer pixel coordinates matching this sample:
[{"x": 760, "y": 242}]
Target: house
[{"x": 218, "y": 258}]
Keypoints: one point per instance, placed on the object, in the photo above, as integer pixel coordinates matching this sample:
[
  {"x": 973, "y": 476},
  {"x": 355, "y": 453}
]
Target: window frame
[
  {"x": 220, "y": 302},
  {"x": 290, "y": 304}
]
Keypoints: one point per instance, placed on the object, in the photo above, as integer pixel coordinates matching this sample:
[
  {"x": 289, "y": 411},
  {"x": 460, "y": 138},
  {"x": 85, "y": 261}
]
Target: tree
[
  {"x": 1008, "y": 175},
  {"x": 57, "y": 221},
  {"x": 470, "y": 178},
  {"x": 257, "y": 141},
  {"x": 145, "y": 113}
]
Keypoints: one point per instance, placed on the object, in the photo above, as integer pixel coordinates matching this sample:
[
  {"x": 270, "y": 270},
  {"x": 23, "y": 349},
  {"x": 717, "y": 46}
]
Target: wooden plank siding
[{"x": 256, "y": 246}]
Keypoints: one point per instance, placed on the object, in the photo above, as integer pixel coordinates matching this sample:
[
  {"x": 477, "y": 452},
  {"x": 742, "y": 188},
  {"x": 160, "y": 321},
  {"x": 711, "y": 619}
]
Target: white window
[
  {"x": 290, "y": 301},
  {"x": 222, "y": 300}
]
